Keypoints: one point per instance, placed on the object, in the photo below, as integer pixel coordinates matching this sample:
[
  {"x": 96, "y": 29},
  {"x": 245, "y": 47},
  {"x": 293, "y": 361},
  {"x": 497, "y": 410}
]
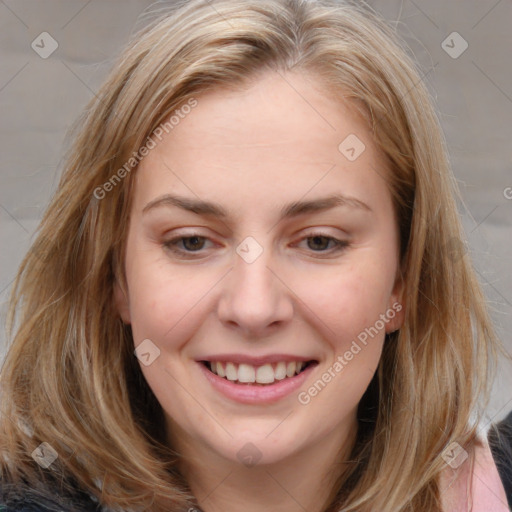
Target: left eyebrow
[
  {"x": 325, "y": 203},
  {"x": 293, "y": 209}
]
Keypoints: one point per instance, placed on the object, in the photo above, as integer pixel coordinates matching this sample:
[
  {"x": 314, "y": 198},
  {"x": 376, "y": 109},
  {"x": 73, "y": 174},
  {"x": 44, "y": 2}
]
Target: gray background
[{"x": 40, "y": 98}]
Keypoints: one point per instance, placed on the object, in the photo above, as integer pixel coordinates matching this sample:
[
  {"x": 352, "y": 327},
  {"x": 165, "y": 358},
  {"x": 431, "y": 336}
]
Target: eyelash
[{"x": 338, "y": 245}]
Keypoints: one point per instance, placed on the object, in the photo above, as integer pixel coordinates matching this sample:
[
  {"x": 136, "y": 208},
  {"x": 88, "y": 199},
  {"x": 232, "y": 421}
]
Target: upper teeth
[{"x": 248, "y": 373}]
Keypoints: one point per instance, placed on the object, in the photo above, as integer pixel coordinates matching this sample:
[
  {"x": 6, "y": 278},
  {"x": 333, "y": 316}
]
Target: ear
[
  {"x": 121, "y": 302},
  {"x": 396, "y": 305}
]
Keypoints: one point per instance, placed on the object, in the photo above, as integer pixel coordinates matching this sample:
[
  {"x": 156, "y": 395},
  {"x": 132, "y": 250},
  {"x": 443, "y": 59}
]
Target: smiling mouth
[{"x": 263, "y": 375}]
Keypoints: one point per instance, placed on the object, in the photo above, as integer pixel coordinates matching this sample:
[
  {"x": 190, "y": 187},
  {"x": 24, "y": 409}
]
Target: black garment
[
  {"x": 500, "y": 442},
  {"x": 25, "y": 498}
]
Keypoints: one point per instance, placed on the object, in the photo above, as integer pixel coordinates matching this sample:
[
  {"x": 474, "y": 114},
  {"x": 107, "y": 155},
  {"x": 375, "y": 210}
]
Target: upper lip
[{"x": 255, "y": 361}]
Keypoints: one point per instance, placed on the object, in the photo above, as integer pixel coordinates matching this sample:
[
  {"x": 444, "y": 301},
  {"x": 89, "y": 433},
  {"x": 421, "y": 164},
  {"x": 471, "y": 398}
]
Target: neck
[{"x": 302, "y": 481}]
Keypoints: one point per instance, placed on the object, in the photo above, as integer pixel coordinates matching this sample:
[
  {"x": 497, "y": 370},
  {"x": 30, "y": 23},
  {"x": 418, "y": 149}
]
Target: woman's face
[{"x": 262, "y": 237}]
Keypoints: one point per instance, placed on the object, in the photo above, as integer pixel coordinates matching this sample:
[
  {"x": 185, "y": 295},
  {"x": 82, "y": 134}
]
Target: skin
[{"x": 253, "y": 151}]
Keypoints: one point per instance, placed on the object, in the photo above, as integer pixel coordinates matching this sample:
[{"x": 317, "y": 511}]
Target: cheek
[
  {"x": 347, "y": 315},
  {"x": 163, "y": 304},
  {"x": 348, "y": 302},
  {"x": 166, "y": 310}
]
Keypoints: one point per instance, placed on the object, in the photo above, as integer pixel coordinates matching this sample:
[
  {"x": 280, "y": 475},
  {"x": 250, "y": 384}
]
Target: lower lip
[{"x": 256, "y": 394}]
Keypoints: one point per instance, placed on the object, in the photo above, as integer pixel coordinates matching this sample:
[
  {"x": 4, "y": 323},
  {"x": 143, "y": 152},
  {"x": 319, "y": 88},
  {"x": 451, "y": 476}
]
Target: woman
[{"x": 245, "y": 291}]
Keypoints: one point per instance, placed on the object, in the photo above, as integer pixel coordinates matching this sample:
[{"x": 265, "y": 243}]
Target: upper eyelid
[
  {"x": 337, "y": 240},
  {"x": 318, "y": 231},
  {"x": 305, "y": 235}
]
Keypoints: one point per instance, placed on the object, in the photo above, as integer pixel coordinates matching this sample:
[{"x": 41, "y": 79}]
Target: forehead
[
  {"x": 282, "y": 135},
  {"x": 273, "y": 114}
]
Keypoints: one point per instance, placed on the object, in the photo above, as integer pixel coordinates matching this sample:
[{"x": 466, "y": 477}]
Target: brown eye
[
  {"x": 321, "y": 243},
  {"x": 184, "y": 246},
  {"x": 193, "y": 243},
  {"x": 318, "y": 242}
]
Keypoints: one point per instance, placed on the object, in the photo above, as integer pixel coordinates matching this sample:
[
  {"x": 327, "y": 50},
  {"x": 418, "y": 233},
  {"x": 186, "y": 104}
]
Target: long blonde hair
[{"x": 70, "y": 377}]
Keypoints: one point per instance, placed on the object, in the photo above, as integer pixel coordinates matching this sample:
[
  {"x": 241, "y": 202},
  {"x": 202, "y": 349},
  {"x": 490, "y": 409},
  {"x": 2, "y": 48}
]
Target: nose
[{"x": 254, "y": 298}]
